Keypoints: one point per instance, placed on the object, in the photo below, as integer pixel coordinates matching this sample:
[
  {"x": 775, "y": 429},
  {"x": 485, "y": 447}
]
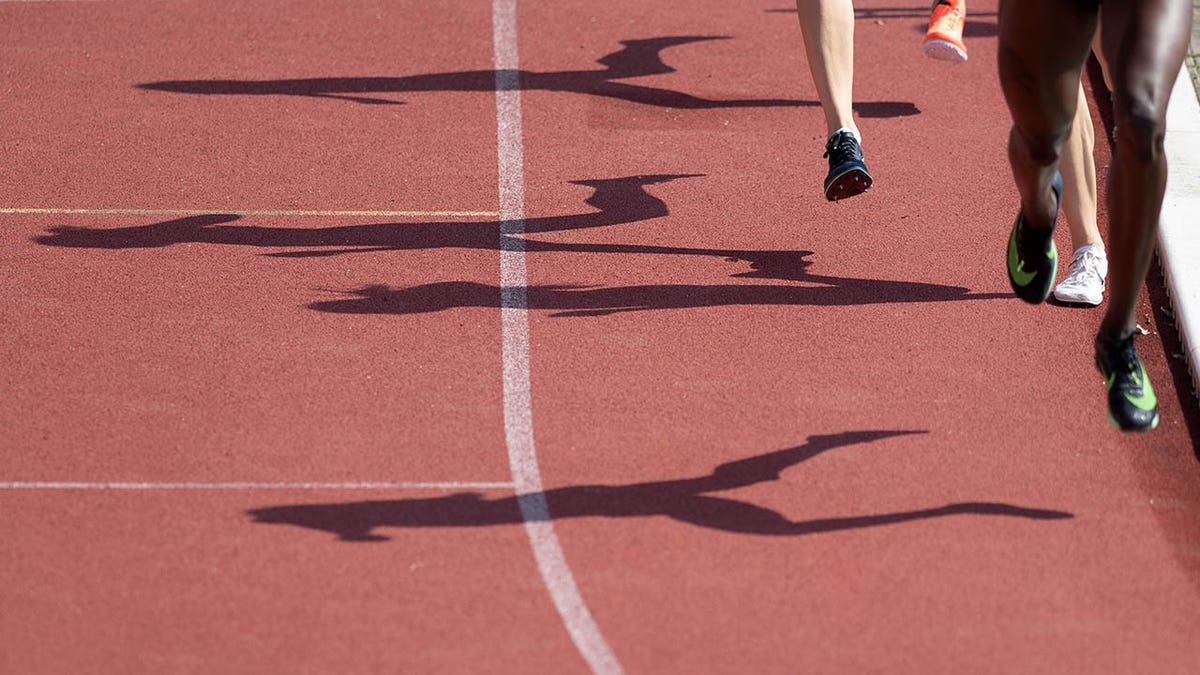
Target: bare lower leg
[
  {"x": 1042, "y": 49},
  {"x": 1099, "y": 54},
  {"x": 1135, "y": 192},
  {"x": 1078, "y": 168},
  {"x": 1034, "y": 163},
  {"x": 1145, "y": 44},
  {"x": 828, "y": 30}
]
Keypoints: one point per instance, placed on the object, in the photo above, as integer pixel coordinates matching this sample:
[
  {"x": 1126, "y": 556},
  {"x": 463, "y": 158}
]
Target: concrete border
[{"x": 1178, "y": 236}]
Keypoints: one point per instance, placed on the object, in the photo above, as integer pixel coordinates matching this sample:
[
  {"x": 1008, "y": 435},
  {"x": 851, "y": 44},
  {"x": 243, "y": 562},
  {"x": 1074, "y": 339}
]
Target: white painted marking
[
  {"x": 518, "y": 409},
  {"x": 268, "y": 212},
  {"x": 68, "y": 485}
]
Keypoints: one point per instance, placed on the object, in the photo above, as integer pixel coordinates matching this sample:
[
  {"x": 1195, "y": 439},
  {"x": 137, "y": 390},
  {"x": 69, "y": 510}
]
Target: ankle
[{"x": 848, "y": 130}]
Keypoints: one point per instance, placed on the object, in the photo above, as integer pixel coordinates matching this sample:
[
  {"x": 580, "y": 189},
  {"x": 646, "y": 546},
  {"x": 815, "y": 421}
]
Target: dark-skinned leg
[
  {"x": 1043, "y": 46},
  {"x": 1144, "y": 43}
]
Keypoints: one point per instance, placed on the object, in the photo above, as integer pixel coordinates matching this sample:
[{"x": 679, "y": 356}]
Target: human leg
[
  {"x": 1084, "y": 283},
  {"x": 1043, "y": 46},
  {"x": 828, "y": 30},
  {"x": 1144, "y": 42},
  {"x": 1078, "y": 166},
  {"x": 1098, "y": 52}
]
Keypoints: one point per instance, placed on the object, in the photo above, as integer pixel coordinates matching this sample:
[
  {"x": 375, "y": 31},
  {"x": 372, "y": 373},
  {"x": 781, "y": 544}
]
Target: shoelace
[
  {"x": 1084, "y": 264},
  {"x": 840, "y": 147}
]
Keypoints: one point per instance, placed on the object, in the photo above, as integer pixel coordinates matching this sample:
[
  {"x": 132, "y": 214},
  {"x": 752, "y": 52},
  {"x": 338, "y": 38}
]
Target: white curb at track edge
[{"x": 1178, "y": 234}]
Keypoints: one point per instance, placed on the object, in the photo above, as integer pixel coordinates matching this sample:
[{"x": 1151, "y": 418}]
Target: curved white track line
[{"x": 518, "y": 414}]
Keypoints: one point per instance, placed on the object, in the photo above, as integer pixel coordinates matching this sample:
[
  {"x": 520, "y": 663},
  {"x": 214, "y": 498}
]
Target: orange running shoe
[{"x": 943, "y": 40}]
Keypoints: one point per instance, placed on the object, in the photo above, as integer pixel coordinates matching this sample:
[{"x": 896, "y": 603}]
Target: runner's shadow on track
[
  {"x": 636, "y": 58},
  {"x": 577, "y": 301},
  {"x": 687, "y": 500},
  {"x": 573, "y": 301},
  {"x": 617, "y": 201}
]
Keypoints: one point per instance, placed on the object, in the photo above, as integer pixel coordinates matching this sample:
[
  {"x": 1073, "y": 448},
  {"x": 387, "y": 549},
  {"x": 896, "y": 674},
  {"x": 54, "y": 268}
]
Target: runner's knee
[
  {"x": 1041, "y": 125},
  {"x": 1042, "y": 145},
  {"x": 1141, "y": 125}
]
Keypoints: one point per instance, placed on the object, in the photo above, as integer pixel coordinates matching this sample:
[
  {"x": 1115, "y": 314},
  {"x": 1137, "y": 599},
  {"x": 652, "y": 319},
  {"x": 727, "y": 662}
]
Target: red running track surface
[{"x": 776, "y": 435}]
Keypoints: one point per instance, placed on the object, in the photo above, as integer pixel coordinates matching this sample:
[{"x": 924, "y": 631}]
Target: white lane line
[
  {"x": 234, "y": 212},
  {"x": 69, "y": 485},
  {"x": 518, "y": 411}
]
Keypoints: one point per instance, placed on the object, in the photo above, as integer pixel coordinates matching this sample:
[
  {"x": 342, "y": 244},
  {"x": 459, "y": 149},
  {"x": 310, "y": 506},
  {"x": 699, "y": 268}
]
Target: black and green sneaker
[
  {"x": 1132, "y": 405},
  {"x": 1032, "y": 255}
]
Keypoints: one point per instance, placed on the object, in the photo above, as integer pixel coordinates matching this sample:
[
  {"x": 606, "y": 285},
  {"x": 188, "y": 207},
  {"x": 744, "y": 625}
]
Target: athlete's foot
[
  {"x": 1084, "y": 284},
  {"x": 1032, "y": 256},
  {"x": 848, "y": 175},
  {"x": 1132, "y": 405},
  {"x": 944, "y": 38}
]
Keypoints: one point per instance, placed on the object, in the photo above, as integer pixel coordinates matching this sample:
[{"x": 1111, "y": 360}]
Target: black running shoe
[
  {"x": 848, "y": 174},
  {"x": 1032, "y": 255},
  {"x": 1132, "y": 405}
]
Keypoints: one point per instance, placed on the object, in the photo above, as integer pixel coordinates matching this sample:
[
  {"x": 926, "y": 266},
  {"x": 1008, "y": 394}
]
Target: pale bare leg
[
  {"x": 828, "y": 30},
  {"x": 1078, "y": 167}
]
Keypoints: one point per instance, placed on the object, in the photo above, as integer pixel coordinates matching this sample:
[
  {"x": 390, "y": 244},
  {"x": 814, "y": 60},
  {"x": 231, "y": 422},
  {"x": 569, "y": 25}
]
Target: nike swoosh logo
[
  {"x": 1145, "y": 400},
  {"x": 1016, "y": 266}
]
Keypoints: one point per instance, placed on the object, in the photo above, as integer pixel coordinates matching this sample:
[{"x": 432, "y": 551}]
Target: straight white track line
[
  {"x": 233, "y": 486},
  {"x": 233, "y": 212},
  {"x": 518, "y": 410}
]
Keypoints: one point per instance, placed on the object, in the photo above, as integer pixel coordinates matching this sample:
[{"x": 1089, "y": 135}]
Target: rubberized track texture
[{"x": 474, "y": 337}]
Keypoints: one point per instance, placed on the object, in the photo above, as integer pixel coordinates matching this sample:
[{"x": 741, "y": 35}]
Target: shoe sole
[
  {"x": 853, "y": 182},
  {"x": 943, "y": 50},
  {"x": 1117, "y": 425},
  {"x": 1089, "y": 300}
]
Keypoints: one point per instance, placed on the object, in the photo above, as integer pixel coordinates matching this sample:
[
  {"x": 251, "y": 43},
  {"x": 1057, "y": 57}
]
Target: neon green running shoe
[
  {"x": 1132, "y": 405},
  {"x": 1032, "y": 255}
]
